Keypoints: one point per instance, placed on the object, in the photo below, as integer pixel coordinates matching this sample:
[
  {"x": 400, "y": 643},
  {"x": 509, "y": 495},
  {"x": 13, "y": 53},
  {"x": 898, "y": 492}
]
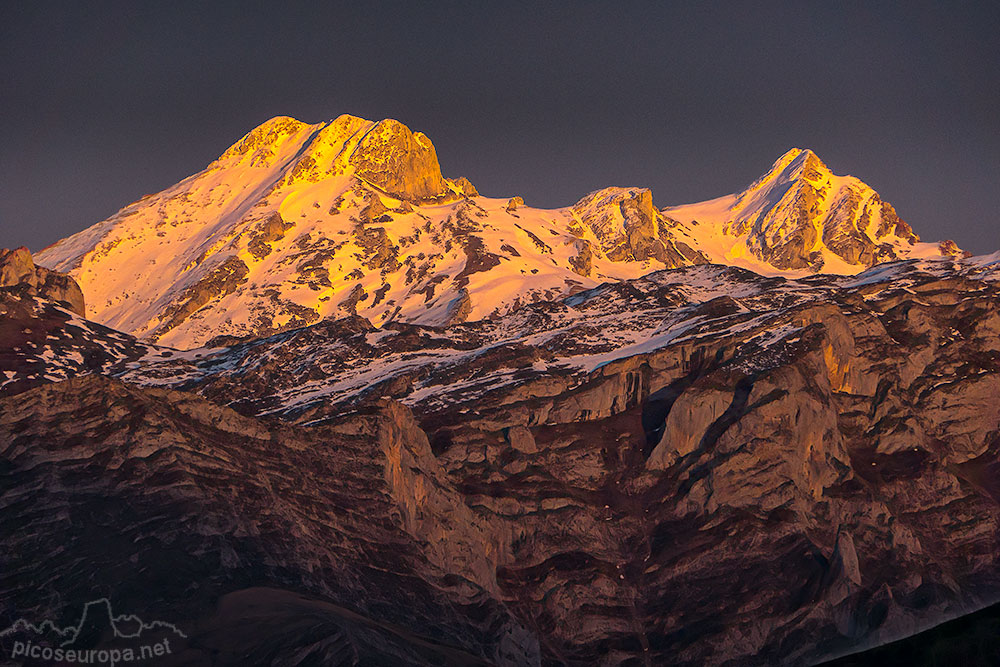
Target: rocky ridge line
[{"x": 368, "y": 225}]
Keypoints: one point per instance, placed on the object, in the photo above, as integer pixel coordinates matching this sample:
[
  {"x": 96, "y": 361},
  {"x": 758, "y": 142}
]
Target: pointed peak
[
  {"x": 276, "y": 126},
  {"x": 348, "y": 119},
  {"x": 280, "y": 121},
  {"x": 342, "y": 128},
  {"x": 793, "y": 153},
  {"x": 810, "y": 161},
  {"x": 346, "y": 125},
  {"x": 794, "y": 164},
  {"x": 796, "y": 161},
  {"x": 393, "y": 125}
]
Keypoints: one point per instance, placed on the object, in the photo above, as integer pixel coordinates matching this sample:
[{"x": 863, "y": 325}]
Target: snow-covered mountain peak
[
  {"x": 800, "y": 216},
  {"x": 298, "y": 222},
  {"x": 385, "y": 154},
  {"x": 792, "y": 164},
  {"x": 795, "y": 165}
]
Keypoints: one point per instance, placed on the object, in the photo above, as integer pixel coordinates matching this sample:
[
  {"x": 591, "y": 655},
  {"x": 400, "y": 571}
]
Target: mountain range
[
  {"x": 296, "y": 223},
  {"x": 318, "y": 404}
]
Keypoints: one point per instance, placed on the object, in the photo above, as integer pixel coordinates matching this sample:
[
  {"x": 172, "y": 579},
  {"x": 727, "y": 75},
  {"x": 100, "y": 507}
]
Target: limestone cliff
[{"x": 400, "y": 162}]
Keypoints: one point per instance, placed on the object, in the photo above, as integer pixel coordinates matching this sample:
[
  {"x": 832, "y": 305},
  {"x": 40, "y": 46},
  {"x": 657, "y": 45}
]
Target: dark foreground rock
[
  {"x": 968, "y": 640},
  {"x": 173, "y": 507}
]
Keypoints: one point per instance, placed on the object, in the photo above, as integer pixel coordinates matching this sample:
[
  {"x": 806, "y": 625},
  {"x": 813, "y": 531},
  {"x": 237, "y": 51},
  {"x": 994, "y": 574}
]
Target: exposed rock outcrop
[
  {"x": 464, "y": 186},
  {"x": 459, "y": 309},
  {"x": 513, "y": 203},
  {"x": 223, "y": 280},
  {"x": 950, "y": 249},
  {"x": 18, "y": 271},
  {"x": 629, "y": 228},
  {"x": 800, "y": 208},
  {"x": 583, "y": 261},
  {"x": 271, "y": 229},
  {"x": 402, "y": 163}
]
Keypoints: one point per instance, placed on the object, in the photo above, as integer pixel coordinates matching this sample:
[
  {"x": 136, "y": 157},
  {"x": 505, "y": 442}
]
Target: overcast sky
[{"x": 101, "y": 103}]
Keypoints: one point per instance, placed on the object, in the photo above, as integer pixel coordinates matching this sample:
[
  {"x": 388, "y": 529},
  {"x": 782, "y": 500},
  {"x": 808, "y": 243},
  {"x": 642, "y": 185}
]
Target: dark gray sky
[{"x": 101, "y": 102}]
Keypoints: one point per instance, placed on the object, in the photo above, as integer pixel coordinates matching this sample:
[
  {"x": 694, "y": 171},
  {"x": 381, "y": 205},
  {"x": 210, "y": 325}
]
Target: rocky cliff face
[
  {"x": 166, "y": 492},
  {"x": 402, "y": 163},
  {"x": 701, "y": 466},
  {"x": 296, "y": 223},
  {"x": 43, "y": 337},
  {"x": 629, "y": 228},
  {"x": 19, "y": 274}
]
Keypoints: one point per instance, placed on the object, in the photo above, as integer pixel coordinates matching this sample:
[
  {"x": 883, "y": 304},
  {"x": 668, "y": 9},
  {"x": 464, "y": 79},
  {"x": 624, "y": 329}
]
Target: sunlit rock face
[
  {"x": 818, "y": 209},
  {"x": 629, "y": 228},
  {"x": 296, "y": 223},
  {"x": 702, "y": 466},
  {"x": 800, "y": 216},
  {"x": 401, "y": 163}
]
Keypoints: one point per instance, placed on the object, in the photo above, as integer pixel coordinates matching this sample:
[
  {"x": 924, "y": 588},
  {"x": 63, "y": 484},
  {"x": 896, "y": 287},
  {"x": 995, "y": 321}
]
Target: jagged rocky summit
[{"x": 296, "y": 223}]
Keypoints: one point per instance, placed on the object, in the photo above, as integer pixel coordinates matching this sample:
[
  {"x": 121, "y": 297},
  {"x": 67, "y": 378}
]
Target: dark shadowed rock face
[
  {"x": 42, "y": 342},
  {"x": 698, "y": 467},
  {"x": 968, "y": 640},
  {"x": 169, "y": 502},
  {"x": 18, "y": 271}
]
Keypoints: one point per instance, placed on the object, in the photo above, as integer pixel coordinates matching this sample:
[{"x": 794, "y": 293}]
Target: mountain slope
[
  {"x": 296, "y": 223},
  {"x": 701, "y": 466},
  {"x": 544, "y": 347}
]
